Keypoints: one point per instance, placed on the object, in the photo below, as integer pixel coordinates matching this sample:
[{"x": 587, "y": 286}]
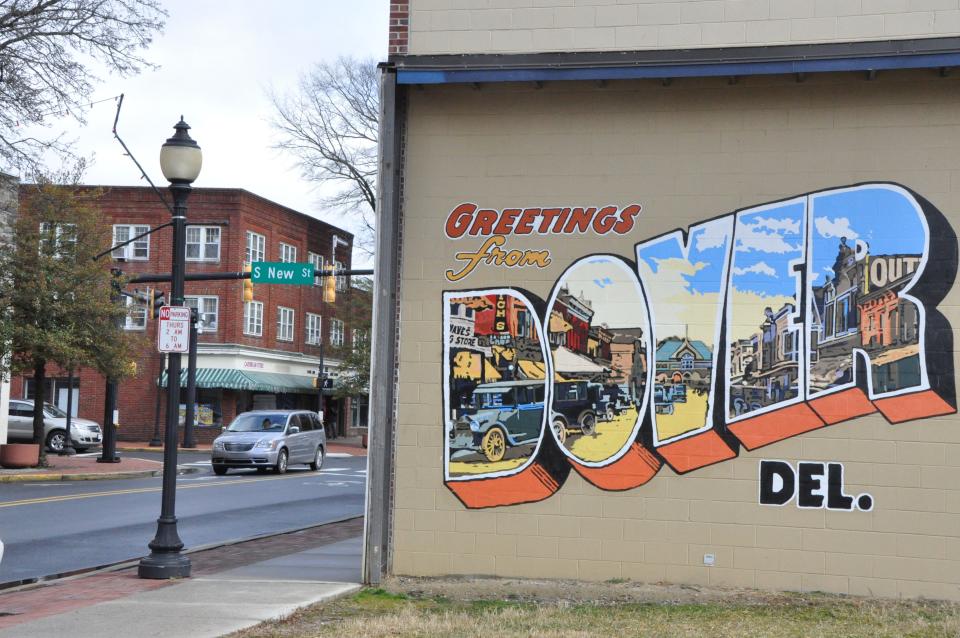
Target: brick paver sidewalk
[
  {"x": 58, "y": 597},
  {"x": 61, "y": 467}
]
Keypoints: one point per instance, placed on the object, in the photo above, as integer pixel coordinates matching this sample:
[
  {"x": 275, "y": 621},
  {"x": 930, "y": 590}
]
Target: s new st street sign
[{"x": 279, "y": 272}]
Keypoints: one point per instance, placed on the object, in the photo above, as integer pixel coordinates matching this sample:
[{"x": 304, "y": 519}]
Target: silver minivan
[{"x": 270, "y": 439}]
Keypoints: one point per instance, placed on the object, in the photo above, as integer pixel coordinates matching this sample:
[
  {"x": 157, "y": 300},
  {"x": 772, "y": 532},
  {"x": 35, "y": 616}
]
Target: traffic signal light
[
  {"x": 247, "y": 285},
  {"x": 330, "y": 289},
  {"x": 155, "y": 299}
]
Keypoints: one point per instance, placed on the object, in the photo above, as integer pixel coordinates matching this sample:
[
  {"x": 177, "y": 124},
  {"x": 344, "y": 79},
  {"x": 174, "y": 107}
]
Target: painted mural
[{"x": 740, "y": 331}]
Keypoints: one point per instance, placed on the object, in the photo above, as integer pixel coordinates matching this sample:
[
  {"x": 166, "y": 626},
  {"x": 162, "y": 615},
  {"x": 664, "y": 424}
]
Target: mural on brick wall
[{"x": 739, "y": 331}]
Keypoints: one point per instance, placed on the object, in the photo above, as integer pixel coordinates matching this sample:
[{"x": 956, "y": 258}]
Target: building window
[
  {"x": 256, "y": 247},
  {"x": 313, "y": 335},
  {"x": 253, "y": 318},
  {"x": 136, "y": 315},
  {"x": 288, "y": 253},
  {"x": 284, "y": 324},
  {"x": 138, "y": 250},
  {"x": 341, "y": 281},
  {"x": 336, "y": 332},
  {"x": 207, "y": 310},
  {"x": 203, "y": 243},
  {"x": 317, "y": 261},
  {"x": 359, "y": 338},
  {"x": 58, "y": 240},
  {"x": 686, "y": 362}
]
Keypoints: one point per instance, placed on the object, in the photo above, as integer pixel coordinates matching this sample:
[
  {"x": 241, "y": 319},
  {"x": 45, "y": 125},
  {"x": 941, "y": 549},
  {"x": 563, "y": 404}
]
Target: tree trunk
[{"x": 39, "y": 398}]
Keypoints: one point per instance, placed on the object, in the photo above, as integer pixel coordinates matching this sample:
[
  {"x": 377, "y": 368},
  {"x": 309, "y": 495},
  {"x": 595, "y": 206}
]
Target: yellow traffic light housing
[
  {"x": 330, "y": 288},
  {"x": 247, "y": 286}
]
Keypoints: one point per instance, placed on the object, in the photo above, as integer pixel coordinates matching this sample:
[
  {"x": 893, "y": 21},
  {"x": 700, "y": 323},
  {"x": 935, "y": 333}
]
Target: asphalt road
[{"x": 52, "y": 528}]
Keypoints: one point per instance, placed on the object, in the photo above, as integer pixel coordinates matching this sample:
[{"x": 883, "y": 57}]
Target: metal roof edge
[{"x": 677, "y": 63}]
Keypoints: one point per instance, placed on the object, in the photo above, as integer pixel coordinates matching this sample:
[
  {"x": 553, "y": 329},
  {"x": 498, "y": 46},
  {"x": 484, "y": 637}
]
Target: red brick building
[{"x": 262, "y": 354}]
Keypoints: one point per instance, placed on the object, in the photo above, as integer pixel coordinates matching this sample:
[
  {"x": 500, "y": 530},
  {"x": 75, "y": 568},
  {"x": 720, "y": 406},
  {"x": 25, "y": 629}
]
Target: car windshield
[
  {"x": 492, "y": 399},
  {"x": 258, "y": 422},
  {"x": 53, "y": 411}
]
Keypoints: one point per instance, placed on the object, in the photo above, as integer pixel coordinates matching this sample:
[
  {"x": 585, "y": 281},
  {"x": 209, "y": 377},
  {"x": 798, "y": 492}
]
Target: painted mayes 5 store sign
[{"x": 742, "y": 330}]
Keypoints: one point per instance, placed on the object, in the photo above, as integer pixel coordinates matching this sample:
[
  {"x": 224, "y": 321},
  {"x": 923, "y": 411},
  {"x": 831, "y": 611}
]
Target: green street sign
[{"x": 281, "y": 272}]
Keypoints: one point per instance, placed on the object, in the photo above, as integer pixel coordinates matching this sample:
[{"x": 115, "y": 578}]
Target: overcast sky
[{"x": 216, "y": 62}]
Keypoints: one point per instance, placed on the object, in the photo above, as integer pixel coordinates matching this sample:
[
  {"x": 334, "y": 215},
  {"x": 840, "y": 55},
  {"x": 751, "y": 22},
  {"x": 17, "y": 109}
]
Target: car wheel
[
  {"x": 56, "y": 440},
  {"x": 588, "y": 424},
  {"x": 560, "y": 430},
  {"x": 281, "y": 466},
  {"x": 610, "y": 414},
  {"x": 317, "y": 460},
  {"x": 494, "y": 445},
  {"x": 219, "y": 470}
]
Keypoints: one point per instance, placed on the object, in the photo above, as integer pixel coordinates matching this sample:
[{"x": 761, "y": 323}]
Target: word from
[
  {"x": 815, "y": 486},
  {"x": 491, "y": 253}
]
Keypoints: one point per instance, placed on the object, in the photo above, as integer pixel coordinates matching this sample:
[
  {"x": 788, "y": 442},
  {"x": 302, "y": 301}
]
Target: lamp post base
[
  {"x": 165, "y": 560},
  {"x": 163, "y": 566}
]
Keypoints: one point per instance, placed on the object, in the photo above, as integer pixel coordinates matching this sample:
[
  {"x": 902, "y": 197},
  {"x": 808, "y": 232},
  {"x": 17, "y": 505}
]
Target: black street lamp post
[{"x": 180, "y": 161}]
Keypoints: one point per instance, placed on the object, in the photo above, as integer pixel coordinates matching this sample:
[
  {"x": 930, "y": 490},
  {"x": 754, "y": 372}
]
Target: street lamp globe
[{"x": 180, "y": 156}]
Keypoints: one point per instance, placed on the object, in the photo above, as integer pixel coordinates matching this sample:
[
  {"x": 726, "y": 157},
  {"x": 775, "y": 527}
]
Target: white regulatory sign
[{"x": 173, "y": 334}]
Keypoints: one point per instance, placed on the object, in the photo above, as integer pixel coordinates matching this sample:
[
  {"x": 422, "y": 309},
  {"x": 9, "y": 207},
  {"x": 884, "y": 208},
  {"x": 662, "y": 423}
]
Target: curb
[{"x": 80, "y": 476}]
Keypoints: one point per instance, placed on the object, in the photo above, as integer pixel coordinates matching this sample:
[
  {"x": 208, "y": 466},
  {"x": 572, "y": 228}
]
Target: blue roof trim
[{"x": 721, "y": 69}]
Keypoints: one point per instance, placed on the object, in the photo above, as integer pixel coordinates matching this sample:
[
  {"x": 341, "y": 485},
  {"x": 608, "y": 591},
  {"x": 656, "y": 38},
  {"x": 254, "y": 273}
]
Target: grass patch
[{"x": 392, "y": 612}]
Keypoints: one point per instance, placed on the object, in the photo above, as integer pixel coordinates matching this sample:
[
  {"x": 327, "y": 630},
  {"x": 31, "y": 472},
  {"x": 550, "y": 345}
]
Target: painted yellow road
[
  {"x": 459, "y": 468},
  {"x": 686, "y": 417},
  {"x": 609, "y": 438},
  {"x": 145, "y": 490}
]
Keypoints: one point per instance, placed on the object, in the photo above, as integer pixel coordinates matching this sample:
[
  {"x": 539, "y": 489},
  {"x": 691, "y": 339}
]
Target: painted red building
[{"x": 261, "y": 354}]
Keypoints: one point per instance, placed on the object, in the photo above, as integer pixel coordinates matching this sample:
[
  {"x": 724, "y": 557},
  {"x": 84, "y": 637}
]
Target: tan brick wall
[
  {"x": 525, "y": 26},
  {"x": 687, "y": 152}
]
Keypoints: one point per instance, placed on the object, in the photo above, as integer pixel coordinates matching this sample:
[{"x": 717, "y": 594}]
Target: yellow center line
[{"x": 141, "y": 490}]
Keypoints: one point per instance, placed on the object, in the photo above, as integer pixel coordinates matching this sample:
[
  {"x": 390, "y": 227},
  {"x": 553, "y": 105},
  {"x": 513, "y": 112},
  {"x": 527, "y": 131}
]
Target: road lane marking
[{"x": 143, "y": 490}]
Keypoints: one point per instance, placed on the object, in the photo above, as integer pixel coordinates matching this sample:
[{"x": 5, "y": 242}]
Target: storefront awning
[{"x": 229, "y": 379}]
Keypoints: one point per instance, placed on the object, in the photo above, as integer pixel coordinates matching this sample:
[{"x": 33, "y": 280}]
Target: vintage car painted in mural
[
  {"x": 574, "y": 409},
  {"x": 499, "y": 416},
  {"x": 665, "y": 396}
]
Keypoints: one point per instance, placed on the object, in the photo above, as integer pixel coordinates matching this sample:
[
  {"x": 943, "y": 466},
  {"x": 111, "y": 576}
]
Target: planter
[{"x": 19, "y": 455}]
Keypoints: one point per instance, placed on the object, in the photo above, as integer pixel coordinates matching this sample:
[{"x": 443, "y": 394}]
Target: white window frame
[
  {"x": 204, "y": 242},
  {"x": 284, "y": 329},
  {"x": 341, "y": 280},
  {"x": 336, "y": 332},
  {"x": 358, "y": 337},
  {"x": 203, "y": 302},
  {"x": 253, "y": 318},
  {"x": 317, "y": 260},
  {"x": 134, "y": 307},
  {"x": 313, "y": 329},
  {"x": 59, "y": 242},
  {"x": 258, "y": 253},
  {"x": 288, "y": 253},
  {"x": 129, "y": 252}
]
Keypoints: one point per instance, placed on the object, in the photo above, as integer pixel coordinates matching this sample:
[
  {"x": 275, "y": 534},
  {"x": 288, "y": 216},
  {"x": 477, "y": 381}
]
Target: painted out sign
[{"x": 740, "y": 331}]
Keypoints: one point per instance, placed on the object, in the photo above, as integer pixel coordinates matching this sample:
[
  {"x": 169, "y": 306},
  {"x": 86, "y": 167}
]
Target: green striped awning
[{"x": 247, "y": 380}]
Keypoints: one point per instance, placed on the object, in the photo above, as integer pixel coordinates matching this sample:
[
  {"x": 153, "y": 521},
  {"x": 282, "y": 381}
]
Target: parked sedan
[
  {"x": 85, "y": 433},
  {"x": 270, "y": 439}
]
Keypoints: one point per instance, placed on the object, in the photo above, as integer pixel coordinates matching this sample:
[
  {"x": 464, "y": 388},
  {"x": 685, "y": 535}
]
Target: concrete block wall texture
[
  {"x": 687, "y": 153},
  {"x": 528, "y": 26}
]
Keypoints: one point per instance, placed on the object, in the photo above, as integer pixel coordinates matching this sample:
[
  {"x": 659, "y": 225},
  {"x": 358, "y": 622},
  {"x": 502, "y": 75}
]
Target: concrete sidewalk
[{"x": 231, "y": 588}]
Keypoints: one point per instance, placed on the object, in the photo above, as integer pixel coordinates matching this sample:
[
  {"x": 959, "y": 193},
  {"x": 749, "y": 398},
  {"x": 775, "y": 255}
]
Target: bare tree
[
  {"x": 46, "y": 49},
  {"x": 330, "y": 125}
]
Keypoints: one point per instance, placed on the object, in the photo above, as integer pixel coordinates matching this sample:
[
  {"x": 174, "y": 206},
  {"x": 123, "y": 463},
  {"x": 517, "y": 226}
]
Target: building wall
[
  {"x": 523, "y": 26},
  {"x": 686, "y": 153},
  {"x": 234, "y": 211}
]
